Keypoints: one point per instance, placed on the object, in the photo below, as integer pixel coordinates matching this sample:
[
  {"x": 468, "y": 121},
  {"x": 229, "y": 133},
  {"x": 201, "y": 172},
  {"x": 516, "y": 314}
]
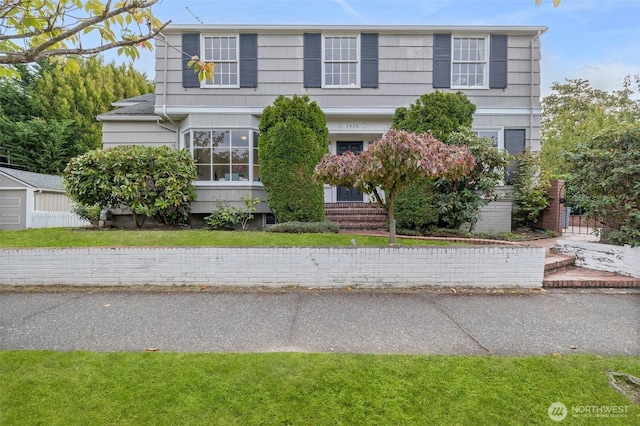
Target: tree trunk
[{"x": 392, "y": 217}]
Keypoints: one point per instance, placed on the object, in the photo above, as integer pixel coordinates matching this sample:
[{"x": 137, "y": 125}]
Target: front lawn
[
  {"x": 63, "y": 237},
  {"x": 58, "y": 388}
]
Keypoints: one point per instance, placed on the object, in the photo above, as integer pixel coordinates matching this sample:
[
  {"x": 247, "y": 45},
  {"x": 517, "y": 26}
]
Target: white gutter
[
  {"x": 163, "y": 112},
  {"x": 533, "y": 39}
]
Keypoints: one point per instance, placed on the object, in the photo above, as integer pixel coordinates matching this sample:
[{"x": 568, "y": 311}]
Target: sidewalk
[{"x": 517, "y": 323}]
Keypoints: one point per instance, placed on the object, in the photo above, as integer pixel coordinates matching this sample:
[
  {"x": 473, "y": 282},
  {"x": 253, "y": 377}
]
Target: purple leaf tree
[{"x": 389, "y": 165}]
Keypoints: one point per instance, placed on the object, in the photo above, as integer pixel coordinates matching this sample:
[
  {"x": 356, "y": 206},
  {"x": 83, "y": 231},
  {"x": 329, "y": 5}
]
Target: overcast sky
[{"x": 597, "y": 40}]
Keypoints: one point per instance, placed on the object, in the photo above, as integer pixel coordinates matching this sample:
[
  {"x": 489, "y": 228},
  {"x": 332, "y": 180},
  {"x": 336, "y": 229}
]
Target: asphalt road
[{"x": 412, "y": 322}]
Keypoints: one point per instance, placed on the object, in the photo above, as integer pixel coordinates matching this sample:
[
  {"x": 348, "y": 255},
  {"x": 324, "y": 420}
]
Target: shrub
[
  {"x": 439, "y": 113},
  {"x": 152, "y": 181},
  {"x": 305, "y": 227},
  {"x": 448, "y": 202},
  {"x": 605, "y": 176},
  {"x": 293, "y": 138},
  {"x": 228, "y": 217},
  {"x": 90, "y": 213},
  {"x": 530, "y": 186}
]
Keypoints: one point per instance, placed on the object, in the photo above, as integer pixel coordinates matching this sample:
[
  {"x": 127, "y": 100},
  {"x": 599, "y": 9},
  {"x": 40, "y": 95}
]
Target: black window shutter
[
  {"x": 190, "y": 47},
  {"x": 498, "y": 61},
  {"x": 441, "y": 61},
  {"x": 514, "y": 143},
  {"x": 369, "y": 64},
  {"x": 312, "y": 60},
  {"x": 248, "y": 60}
]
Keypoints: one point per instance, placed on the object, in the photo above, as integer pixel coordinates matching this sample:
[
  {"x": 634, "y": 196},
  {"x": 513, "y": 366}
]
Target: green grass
[
  {"x": 69, "y": 388},
  {"x": 64, "y": 237}
]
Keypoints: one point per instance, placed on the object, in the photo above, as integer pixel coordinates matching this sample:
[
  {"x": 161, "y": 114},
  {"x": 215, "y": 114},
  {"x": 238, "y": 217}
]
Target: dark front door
[{"x": 349, "y": 194}]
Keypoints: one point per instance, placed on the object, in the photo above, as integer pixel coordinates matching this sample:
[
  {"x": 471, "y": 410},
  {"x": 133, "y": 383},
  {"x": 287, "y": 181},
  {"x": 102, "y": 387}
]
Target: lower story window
[
  {"x": 224, "y": 155},
  {"x": 494, "y": 134}
]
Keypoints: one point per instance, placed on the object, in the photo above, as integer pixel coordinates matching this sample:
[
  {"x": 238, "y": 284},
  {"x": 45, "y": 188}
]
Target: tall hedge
[
  {"x": 152, "y": 181},
  {"x": 293, "y": 138}
]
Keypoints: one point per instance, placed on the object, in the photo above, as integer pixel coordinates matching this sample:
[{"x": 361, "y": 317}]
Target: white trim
[
  {"x": 29, "y": 207},
  {"x": 338, "y": 111},
  {"x": 390, "y": 29},
  {"x": 113, "y": 117}
]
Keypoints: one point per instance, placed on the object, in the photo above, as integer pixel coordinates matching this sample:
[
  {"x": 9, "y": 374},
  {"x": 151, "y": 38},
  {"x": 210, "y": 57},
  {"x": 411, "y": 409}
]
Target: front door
[{"x": 349, "y": 194}]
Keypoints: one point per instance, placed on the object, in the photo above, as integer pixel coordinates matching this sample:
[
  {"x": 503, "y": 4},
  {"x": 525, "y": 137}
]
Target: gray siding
[
  {"x": 405, "y": 72},
  {"x": 136, "y": 133}
]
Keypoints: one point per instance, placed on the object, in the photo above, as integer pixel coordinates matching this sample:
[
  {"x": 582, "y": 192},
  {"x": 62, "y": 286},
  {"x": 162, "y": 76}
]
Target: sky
[{"x": 596, "y": 40}]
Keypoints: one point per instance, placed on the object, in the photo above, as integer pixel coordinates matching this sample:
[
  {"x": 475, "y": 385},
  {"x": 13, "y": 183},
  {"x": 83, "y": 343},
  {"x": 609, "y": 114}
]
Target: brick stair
[
  {"x": 360, "y": 216},
  {"x": 560, "y": 272}
]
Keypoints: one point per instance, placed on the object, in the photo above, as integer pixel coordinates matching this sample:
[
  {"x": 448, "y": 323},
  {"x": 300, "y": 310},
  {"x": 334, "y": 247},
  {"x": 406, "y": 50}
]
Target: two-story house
[{"x": 358, "y": 75}]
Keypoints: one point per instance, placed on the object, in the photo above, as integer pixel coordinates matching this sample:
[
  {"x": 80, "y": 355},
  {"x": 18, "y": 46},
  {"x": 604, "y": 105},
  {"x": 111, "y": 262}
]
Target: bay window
[{"x": 224, "y": 155}]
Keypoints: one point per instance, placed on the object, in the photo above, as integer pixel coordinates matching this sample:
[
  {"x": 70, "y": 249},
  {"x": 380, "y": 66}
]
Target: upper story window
[
  {"x": 341, "y": 61},
  {"x": 223, "y": 51},
  {"x": 224, "y": 155},
  {"x": 469, "y": 62}
]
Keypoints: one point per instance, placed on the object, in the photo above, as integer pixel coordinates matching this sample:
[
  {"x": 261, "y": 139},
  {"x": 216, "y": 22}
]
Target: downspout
[
  {"x": 533, "y": 39},
  {"x": 163, "y": 112}
]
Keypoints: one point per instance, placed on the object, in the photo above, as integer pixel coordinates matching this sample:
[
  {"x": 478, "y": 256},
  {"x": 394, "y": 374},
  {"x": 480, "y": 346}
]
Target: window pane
[
  {"x": 221, "y": 138},
  {"x": 256, "y": 173},
  {"x": 240, "y": 138},
  {"x": 201, "y": 138},
  {"x": 203, "y": 172},
  {"x": 187, "y": 141},
  {"x": 221, "y": 172},
  {"x": 221, "y": 156}
]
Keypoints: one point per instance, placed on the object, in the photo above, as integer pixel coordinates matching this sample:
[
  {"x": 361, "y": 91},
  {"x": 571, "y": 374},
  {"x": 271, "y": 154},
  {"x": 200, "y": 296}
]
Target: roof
[
  {"x": 34, "y": 180},
  {"x": 391, "y": 29},
  {"x": 133, "y": 108}
]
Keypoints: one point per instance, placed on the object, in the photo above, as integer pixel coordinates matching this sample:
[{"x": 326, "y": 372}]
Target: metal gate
[{"x": 575, "y": 222}]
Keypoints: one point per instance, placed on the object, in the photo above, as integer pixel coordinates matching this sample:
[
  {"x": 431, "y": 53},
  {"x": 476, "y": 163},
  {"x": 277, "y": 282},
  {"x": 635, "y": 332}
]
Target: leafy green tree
[
  {"x": 33, "y": 30},
  {"x": 293, "y": 138},
  {"x": 151, "y": 181},
  {"x": 48, "y": 116},
  {"x": 393, "y": 163},
  {"x": 605, "y": 176},
  {"x": 439, "y": 113},
  {"x": 575, "y": 112}
]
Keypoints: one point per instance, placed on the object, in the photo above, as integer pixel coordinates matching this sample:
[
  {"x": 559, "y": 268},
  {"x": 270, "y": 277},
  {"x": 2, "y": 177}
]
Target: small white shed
[{"x": 34, "y": 200}]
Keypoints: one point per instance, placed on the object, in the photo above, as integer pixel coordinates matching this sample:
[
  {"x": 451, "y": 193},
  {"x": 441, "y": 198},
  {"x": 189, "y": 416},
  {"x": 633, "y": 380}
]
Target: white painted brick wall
[
  {"x": 483, "y": 266},
  {"x": 603, "y": 257}
]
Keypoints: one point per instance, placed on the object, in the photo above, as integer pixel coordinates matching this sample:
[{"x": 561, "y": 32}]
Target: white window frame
[
  {"x": 357, "y": 61},
  {"x": 485, "y": 81},
  {"x": 499, "y": 131},
  {"x": 218, "y": 62},
  {"x": 251, "y": 130}
]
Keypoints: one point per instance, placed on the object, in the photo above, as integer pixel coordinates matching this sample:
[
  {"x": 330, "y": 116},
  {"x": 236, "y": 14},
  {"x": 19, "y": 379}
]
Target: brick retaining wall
[{"x": 486, "y": 266}]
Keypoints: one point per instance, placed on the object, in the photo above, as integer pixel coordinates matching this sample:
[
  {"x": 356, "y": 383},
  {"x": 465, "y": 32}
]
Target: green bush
[
  {"x": 90, "y": 213},
  {"x": 293, "y": 138},
  {"x": 530, "y": 186},
  {"x": 305, "y": 227},
  {"x": 227, "y": 217},
  {"x": 152, "y": 181},
  {"x": 605, "y": 179},
  {"x": 439, "y": 113},
  {"x": 450, "y": 203}
]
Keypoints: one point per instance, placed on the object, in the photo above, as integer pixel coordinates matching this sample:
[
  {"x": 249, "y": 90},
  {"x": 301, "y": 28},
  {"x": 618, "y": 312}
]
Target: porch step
[{"x": 363, "y": 216}]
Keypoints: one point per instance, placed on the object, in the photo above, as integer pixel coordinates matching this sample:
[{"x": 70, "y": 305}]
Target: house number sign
[{"x": 352, "y": 126}]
